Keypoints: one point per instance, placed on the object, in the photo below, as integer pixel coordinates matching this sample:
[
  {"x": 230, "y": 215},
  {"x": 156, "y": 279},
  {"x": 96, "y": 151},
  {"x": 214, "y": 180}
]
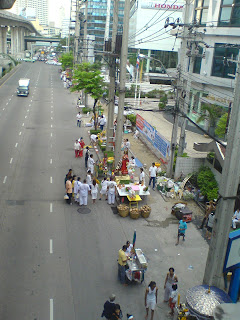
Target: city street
[{"x": 57, "y": 263}]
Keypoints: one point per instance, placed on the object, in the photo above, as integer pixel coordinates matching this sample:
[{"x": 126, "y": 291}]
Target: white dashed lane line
[
  {"x": 51, "y": 207},
  {"x": 50, "y": 161},
  {"x": 51, "y": 134},
  {"x": 20, "y": 133},
  {"x": 16, "y": 145},
  {"x": 51, "y": 180},
  {"x": 25, "y": 117},
  {"x": 51, "y": 246},
  {"x": 51, "y": 309},
  {"x": 5, "y": 179},
  {"x": 11, "y": 160},
  {"x": 23, "y": 124}
]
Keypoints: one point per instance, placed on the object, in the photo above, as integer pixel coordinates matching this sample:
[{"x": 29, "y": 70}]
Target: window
[
  {"x": 230, "y": 13},
  {"x": 221, "y": 66},
  {"x": 201, "y": 11},
  {"x": 198, "y": 61}
]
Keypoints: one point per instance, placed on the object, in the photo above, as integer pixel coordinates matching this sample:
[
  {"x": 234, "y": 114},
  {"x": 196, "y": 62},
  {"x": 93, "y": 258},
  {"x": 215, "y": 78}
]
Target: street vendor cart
[{"x": 137, "y": 266}]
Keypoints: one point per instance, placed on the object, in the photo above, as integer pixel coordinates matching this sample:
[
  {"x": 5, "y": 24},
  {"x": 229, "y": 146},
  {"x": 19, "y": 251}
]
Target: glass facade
[
  {"x": 201, "y": 11},
  {"x": 97, "y": 12},
  {"x": 198, "y": 62},
  {"x": 221, "y": 66},
  {"x": 229, "y": 13}
]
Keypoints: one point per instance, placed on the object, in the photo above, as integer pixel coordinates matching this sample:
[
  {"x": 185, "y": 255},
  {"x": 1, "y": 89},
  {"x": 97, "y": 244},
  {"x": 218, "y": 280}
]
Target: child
[
  {"x": 210, "y": 222},
  {"x": 104, "y": 184},
  {"x": 142, "y": 177},
  {"x": 173, "y": 299},
  {"x": 89, "y": 178},
  {"x": 73, "y": 183},
  {"x": 94, "y": 190}
]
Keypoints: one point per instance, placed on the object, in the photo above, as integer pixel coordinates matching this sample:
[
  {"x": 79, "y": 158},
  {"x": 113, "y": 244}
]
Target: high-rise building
[
  {"x": 96, "y": 20},
  {"x": 40, "y": 7}
]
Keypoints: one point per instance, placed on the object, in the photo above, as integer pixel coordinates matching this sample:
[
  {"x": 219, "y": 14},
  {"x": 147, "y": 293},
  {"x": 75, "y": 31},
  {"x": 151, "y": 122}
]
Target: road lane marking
[
  {"x": 50, "y": 179},
  {"x": 51, "y": 106},
  {"x": 51, "y": 146},
  {"x": 51, "y": 309},
  {"x": 51, "y": 111},
  {"x": 51, "y": 125},
  {"x": 23, "y": 124},
  {"x": 5, "y": 179},
  {"x": 3, "y": 109},
  {"x": 51, "y": 207},
  {"x": 25, "y": 117},
  {"x": 51, "y": 134},
  {"x": 11, "y": 160},
  {"x": 27, "y": 110},
  {"x": 10, "y": 99},
  {"x": 31, "y": 100},
  {"x": 51, "y": 118},
  {"x": 51, "y": 246},
  {"x": 6, "y": 103},
  {"x": 20, "y": 133},
  {"x": 16, "y": 145},
  {"x": 50, "y": 161},
  {"x": 30, "y": 105}
]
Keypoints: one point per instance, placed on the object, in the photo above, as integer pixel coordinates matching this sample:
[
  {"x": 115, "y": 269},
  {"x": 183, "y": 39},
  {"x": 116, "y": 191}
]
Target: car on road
[{"x": 28, "y": 60}]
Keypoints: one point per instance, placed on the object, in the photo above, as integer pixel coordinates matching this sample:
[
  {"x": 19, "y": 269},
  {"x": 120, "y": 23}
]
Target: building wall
[
  {"x": 187, "y": 165},
  {"x": 146, "y": 29},
  {"x": 211, "y": 82}
]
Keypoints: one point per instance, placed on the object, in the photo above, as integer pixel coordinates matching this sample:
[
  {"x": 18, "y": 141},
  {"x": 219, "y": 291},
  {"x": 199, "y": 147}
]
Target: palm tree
[{"x": 211, "y": 114}]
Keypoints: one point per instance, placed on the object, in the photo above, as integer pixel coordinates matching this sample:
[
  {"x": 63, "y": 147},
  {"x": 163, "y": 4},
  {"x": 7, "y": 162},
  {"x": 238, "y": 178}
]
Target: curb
[{"x": 9, "y": 74}]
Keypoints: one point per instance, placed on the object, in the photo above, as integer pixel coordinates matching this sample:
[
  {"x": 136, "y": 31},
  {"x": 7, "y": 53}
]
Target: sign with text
[
  {"x": 163, "y": 5},
  {"x": 154, "y": 137}
]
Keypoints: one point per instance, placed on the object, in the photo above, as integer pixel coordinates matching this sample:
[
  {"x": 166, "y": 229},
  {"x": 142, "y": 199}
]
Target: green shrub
[
  {"x": 161, "y": 106},
  {"x": 85, "y": 110},
  {"x": 132, "y": 118},
  {"x": 93, "y": 131},
  {"x": 109, "y": 153},
  {"x": 207, "y": 183}
]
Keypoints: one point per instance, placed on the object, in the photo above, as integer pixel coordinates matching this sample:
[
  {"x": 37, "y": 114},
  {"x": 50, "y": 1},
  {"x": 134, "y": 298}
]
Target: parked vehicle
[{"x": 23, "y": 87}]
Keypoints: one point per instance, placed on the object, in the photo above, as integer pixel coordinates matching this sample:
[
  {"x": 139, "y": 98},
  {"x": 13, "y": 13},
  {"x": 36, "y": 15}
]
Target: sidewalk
[{"x": 156, "y": 235}]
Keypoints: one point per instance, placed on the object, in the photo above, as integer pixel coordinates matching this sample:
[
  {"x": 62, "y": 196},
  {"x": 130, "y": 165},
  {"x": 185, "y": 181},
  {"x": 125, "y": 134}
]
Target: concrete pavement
[{"x": 56, "y": 262}]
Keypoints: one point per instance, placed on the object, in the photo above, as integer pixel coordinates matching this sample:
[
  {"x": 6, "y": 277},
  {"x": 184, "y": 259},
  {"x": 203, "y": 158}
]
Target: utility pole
[
  {"x": 185, "y": 99},
  {"x": 174, "y": 135},
  {"x": 228, "y": 191},
  {"x": 124, "y": 54},
  {"x": 85, "y": 43},
  {"x": 77, "y": 32},
  {"x": 112, "y": 73}
]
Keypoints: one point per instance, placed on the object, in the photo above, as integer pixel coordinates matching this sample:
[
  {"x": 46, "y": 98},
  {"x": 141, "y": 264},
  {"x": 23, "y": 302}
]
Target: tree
[
  {"x": 211, "y": 113},
  {"x": 88, "y": 77},
  {"x": 61, "y": 47},
  {"x": 221, "y": 126},
  {"x": 67, "y": 60}
]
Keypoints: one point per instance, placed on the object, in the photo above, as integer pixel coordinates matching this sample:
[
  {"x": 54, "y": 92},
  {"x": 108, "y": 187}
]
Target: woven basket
[
  {"x": 123, "y": 212},
  {"x": 134, "y": 213},
  {"x": 145, "y": 214}
]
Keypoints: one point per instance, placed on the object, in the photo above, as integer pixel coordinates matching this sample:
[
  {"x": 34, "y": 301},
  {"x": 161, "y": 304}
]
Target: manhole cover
[
  {"x": 15, "y": 202},
  {"x": 84, "y": 210}
]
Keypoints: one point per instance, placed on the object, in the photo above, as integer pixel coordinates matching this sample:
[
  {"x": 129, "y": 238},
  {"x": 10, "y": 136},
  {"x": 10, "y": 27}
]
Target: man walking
[
  {"x": 152, "y": 175},
  {"x": 69, "y": 190},
  {"x": 182, "y": 227},
  {"x": 79, "y": 119},
  {"x": 236, "y": 218},
  {"x": 122, "y": 261},
  {"x": 108, "y": 307}
]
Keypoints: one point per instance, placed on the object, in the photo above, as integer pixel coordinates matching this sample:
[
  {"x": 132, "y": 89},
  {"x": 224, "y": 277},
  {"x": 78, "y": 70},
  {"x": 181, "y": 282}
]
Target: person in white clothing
[
  {"x": 151, "y": 298},
  {"x": 142, "y": 177},
  {"x": 210, "y": 222},
  {"x": 89, "y": 178},
  {"x": 236, "y": 218},
  {"x": 94, "y": 190},
  {"x": 76, "y": 148},
  {"x": 94, "y": 139},
  {"x": 76, "y": 189},
  {"x": 129, "y": 248},
  {"x": 173, "y": 298},
  {"x": 101, "y": 123},
  {"x": 79, "y": 119},
  {"x": 111, "y": 191},
  {"x": 91, "y": 163},
  {"x": 104, "y": 185},
  {"x": 83, "y": 193},
  {"x": 152, "y": 175},
  {"x": 132, "y": 163},
  {"x": 127, "y": 145}
]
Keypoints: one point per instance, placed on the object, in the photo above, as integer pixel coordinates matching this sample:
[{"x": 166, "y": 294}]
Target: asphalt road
[{"x": 57, "y": 263}]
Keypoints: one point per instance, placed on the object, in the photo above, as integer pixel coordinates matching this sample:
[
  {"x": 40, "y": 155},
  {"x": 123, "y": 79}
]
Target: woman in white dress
[
  {"x": 111, "y": 191},
  {"x": 151, "y": 298},
  {"x": 103, "y": 191},
  {"x": 94, "y": 190}
]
